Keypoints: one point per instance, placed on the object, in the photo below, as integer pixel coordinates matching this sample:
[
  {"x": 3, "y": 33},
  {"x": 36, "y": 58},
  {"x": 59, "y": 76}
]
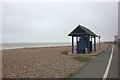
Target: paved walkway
[
  {"x": 113, "y": 71},
  {"x": 96, "y": 67},
  {"x": 119, "y": 63},
  {"x": 0, "y": 65}
]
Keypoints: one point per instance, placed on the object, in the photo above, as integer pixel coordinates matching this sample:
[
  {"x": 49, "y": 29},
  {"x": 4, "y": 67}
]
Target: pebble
[{"x": 40, "y": 62}]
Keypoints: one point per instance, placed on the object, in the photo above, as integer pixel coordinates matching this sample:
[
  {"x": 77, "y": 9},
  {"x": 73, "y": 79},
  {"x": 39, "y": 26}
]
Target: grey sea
[{"x": 30, "y": 45}]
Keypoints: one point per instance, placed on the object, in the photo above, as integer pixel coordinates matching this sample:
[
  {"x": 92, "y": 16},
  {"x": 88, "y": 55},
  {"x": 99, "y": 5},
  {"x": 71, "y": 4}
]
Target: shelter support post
[
  {"x": 99, "y": 42},
  {"x": 94, "y": 43},
  {"x": 91, "y": 44},
  {"x": 88, "y": 44},
  {"x": 76, "y": 42},
  {"x": 72, "y": 44}
]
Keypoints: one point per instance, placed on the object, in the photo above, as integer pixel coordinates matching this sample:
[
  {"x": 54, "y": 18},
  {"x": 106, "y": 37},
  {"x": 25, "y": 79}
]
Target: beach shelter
[{"x": 83, "y": 38}]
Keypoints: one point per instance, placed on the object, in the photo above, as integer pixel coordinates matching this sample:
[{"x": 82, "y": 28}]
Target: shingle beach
[{"x": 42, "y": 62}]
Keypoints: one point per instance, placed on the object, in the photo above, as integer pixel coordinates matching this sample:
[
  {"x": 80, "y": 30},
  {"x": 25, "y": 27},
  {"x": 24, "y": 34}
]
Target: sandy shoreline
[{"x": 42, "y": 62}]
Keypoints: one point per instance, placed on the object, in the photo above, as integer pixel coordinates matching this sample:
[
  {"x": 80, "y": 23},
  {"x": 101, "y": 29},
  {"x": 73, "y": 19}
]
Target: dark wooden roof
[{"x": 81, "y": 31}]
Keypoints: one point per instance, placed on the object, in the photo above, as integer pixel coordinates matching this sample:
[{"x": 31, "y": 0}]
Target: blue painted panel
[
  {"x": 81, "y": 45},
  {"x": 88, "y": 44}
]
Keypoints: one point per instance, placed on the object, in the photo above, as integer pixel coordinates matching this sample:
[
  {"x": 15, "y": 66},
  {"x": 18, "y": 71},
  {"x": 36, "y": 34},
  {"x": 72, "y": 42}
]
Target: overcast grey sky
[
  {"x": 119, "y": 19},
  {"x": 51, "y": 22}
]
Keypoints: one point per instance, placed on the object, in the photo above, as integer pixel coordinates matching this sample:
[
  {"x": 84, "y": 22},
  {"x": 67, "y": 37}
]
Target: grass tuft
[
  {"x": 83, "y": 59},
  {"x": 119, "y": 45}
]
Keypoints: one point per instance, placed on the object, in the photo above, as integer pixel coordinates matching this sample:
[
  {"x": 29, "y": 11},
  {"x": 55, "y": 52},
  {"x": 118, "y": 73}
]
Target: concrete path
[
  {"x": 119, "y": 63},
  {"x": 0, "y": 64},
  {"x": 96, "y": 67},
  {"x": 113, "y": 71}
]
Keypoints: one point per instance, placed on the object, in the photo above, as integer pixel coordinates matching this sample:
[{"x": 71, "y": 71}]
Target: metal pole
[{"x": 72, "y": 44}]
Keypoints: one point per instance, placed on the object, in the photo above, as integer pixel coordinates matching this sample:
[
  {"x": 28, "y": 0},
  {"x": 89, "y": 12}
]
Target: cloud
[{"x": 43, "y": 22}]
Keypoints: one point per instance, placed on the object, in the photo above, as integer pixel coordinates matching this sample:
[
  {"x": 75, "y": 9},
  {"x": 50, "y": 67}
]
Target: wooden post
[
  {"x": 72, "y": 44},
  {"x": 76, "y": 42},
  {"x": 94, "y": 43},
  {"x": 88, "y": 44},
  {"x": 99, "y": 43},
  {"x": 91, "y": 41}
]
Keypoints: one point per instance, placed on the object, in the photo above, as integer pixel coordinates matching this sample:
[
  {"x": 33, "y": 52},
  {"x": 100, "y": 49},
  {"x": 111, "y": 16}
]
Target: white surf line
[{"x": 108, "y": 66}]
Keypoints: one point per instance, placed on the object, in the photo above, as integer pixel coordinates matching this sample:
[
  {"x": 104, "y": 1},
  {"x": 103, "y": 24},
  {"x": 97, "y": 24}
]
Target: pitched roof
[{"x": 81, "y": 31}]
